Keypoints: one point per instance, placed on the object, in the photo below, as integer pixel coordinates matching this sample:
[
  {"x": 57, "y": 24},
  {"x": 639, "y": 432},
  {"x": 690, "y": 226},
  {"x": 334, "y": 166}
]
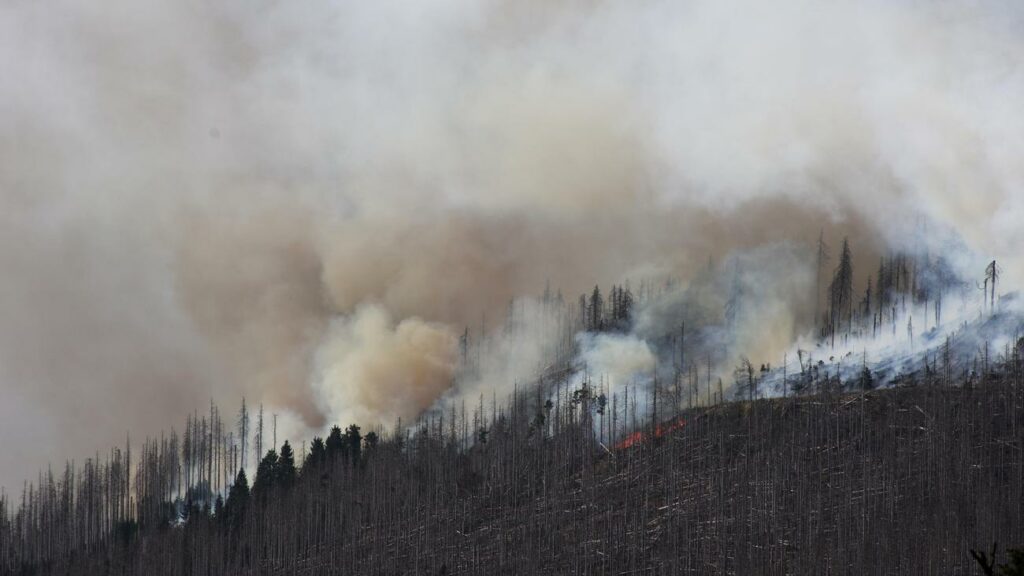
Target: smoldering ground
[{"x": 207, "y": 200}]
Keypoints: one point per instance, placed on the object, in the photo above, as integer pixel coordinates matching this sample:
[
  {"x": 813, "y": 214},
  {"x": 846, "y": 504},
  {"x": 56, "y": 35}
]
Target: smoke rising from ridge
[
  {"x": 372, "y": 371},
  {"x": 205, "y": 200}
]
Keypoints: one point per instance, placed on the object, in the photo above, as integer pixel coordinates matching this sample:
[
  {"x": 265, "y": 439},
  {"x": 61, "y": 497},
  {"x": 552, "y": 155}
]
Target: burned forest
[
  {"x": 894, "y": 481},
  {"x": 900, "y": 463},
  {"x": 511, "y": 287}
]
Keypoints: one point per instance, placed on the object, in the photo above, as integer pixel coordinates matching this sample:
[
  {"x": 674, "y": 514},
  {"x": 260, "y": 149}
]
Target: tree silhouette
[
  {"x": 353, "y": 443},
  {"x": 317, "y": 454},
  {"x": 841, "y": 293},
  {"x": 371, "y": 440},
  {"x": 266, "y": 474},
  {"x": 336, "y": 447},
  {"x": 238, "y": 500},
  {"x": 284, "y": 471},
  {"x": 595, "y": 310}
]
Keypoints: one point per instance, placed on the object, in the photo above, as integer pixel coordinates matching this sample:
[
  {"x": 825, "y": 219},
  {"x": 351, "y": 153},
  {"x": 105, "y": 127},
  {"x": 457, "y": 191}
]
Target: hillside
[{"x": 897, "y": 481}]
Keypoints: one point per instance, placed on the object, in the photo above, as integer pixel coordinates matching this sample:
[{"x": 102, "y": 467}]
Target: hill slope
[{"x": 898, "y": 481}]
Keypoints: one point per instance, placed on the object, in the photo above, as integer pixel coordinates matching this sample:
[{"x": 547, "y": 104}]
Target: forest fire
[{"x": 640, "y": 436}]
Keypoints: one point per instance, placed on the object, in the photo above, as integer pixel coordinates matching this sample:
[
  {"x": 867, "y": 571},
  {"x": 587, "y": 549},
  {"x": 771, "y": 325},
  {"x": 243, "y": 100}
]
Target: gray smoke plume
[{"x": 308, "y": 204}]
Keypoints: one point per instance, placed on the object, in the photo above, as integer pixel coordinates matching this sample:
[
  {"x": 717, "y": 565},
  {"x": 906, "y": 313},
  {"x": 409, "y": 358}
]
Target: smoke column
[{"x": 307, "y": 204}]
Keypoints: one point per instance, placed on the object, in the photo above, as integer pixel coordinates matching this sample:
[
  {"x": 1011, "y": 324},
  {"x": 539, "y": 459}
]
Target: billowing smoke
[
  {"x": 371, "y": 370},
  {"x": 308, "y": 204},
  {"x": 619, "y": 360},
  {"x": 754, "y": 303}
]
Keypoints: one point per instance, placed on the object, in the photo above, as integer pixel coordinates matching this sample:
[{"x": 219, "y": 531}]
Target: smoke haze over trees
[
  {"x": 308, "y": 205},
  {"x": 827, "y": 482}
]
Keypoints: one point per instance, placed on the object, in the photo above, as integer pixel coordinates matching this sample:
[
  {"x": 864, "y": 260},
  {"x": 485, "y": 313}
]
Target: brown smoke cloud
[
  {"x": 298, "y": 196},
  {"x": 373, "y": 371},
  {"x": 251, "y": 284}
]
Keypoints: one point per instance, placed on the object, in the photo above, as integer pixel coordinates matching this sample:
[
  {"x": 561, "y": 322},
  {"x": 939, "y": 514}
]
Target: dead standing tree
[
  {"x": 243, "y": 430},
  {"x": 992, "y": 272}
]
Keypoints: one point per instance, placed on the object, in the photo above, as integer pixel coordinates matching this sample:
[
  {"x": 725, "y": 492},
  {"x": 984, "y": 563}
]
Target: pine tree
[
  {"x": 266, "y": 474},
  {"x": 284, "y": 472},
  {"x": 353, "y": 442},
  {"x": 841, "y": 292},
  {"x": 238, "y": 499},
  {"x": 335, "y": 444},
  {"x": 595, "y": 309},
  {"x": 626, "y": 307},
  {"x": 317, "y": 454}
]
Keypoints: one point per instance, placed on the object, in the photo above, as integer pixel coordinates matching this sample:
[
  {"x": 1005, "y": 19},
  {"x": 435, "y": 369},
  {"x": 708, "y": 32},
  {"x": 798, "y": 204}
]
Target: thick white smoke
[
  {"x": 618, "y": 360},
  {"x": 215, "y": 199}
]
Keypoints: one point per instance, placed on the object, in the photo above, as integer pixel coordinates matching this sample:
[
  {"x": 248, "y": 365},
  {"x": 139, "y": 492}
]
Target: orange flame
[{"x": 660, "y": 430}]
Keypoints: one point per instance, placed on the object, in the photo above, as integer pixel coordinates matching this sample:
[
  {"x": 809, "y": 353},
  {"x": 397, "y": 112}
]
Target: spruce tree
[
  {"x": 266, "y": 473},
  {"x": 596, "y": 308},
  {"x": 284, "y": 472},
  {"x": 841, "y": 293},
  {"x": 354, "y": 442},
  {"x": 238, "y": 499},
  {"x": 317, "y": 454},
  {"x": 335, "y": 443}
]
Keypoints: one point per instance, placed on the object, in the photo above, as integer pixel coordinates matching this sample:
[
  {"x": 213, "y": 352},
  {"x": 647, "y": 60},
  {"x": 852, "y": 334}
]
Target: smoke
[
  {"x": 617, "y": 359},
  {"x": 371, "y": 370},
  {"x": 214, "y": 200},
  {"x": 251, "y": 285}
]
